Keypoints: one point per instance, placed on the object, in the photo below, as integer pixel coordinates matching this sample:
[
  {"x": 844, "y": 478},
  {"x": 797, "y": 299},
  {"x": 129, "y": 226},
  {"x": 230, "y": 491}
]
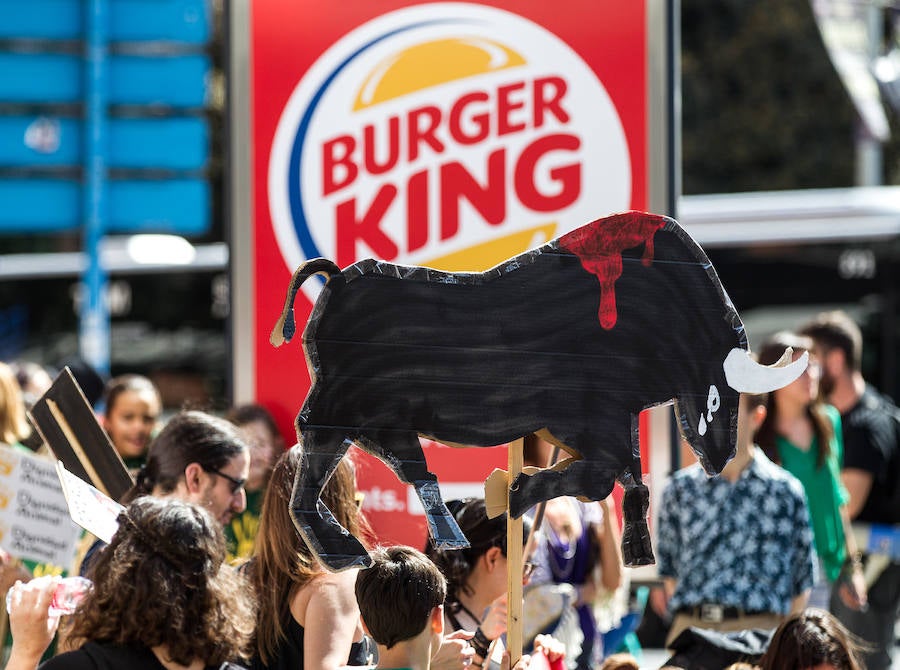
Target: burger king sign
[{"x": 451, "y": 135}]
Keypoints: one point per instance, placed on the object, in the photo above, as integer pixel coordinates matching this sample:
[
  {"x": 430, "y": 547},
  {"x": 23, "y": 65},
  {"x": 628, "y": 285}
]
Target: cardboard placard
[
  {"x": 89, "y": 508},
  {"x": 67, "y": 424},
  {"x": 570, "y": 341},
  {"x": 34, "y": 517}
]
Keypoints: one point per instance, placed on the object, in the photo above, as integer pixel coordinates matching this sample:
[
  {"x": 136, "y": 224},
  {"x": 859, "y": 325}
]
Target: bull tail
[{"x": 285, "y": 327}]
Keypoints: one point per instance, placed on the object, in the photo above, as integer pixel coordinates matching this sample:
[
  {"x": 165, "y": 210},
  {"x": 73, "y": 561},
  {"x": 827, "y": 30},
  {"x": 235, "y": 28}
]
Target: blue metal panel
[
  {"x": 54, "y": 205},
  {"x": 174, "y": 143},
  {"x": 40, "y": 78},
  {"x": 178, "y": 81},
  {"x": 171, "y": 206},
  {"x": 165, "y": 143},
  {"x": 182, "y": 21},
  {"x": 186, "y": 21},
  {"x": 39, "y": 205},
  {"x": 50, "y": 19}
]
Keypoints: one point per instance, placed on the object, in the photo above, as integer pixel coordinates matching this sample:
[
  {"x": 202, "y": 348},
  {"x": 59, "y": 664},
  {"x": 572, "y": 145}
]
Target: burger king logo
[{"x": 447, "y": 135}]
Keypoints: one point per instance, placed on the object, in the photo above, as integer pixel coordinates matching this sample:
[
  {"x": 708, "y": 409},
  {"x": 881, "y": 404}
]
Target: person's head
[
  {"x": 261, "y": 433},
  {"x": 88, "y": 379},
  {"x": 621, "y": 661},
  {"x": 281, "y": 559},
  {"x": 838, "y": 346},
  {"x": 33, "y": 379},
  {"x": 133, "y": 406},
  {"x": 13, "y": 424},
  {"x": 804, "y": 390},
  {"x": 401, "y": 596},
  {"x": 811, "y": 640},
  {"x": 162, "y": 581},
  {"x": 483, "y": 564},
  {"x": 200, "y": 458},
  {"x": 802, "y": 394}
]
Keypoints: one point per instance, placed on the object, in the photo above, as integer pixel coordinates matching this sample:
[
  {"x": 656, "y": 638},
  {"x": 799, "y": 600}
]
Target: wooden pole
[
  {"x": 541, "y": 506},
  {"x": 514, "y": 553}
]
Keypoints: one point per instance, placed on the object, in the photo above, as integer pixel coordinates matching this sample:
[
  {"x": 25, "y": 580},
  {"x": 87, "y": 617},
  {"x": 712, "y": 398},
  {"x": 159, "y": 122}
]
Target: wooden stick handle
[{"x": 514, "y": 553}]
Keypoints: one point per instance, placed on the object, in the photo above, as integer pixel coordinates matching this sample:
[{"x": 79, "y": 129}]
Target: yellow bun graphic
[
  {"x": 431, "y": 64},
  {"x": 486, "y": 255}
]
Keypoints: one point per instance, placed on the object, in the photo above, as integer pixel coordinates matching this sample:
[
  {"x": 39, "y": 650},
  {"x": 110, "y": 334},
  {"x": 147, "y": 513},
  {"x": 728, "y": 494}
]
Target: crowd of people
[{"x": 207, "y": 566}]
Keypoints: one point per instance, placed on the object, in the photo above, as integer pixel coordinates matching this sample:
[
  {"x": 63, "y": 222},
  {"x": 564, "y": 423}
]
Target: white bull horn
[{"x": 745, "y": 375}]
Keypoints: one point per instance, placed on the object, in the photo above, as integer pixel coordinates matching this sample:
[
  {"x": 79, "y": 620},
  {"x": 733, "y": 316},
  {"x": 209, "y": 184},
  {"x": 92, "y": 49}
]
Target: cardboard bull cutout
[{"x": 570, "y": 341}]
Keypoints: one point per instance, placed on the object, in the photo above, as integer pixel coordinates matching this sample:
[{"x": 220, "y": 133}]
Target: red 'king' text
[{"x": 471, "y": 119}]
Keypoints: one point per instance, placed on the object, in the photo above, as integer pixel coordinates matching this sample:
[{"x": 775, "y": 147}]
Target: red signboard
[{"x": 451, "y": 135}]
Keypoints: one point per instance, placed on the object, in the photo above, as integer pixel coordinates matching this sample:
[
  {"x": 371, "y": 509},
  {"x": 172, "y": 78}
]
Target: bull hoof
[
  {"x": 450, "y": 544},
  {"x": 517, "y": 505},
  {"x": 636, "y": 546},
  {"x": 636, "y": 562},
  {"x": 339, "y": 562}
]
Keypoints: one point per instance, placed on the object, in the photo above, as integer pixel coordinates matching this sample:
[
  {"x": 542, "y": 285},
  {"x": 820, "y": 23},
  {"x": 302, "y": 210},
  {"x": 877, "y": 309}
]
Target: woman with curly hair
[
  {"x": 162, "y": 598},
  {"x": 308, "y": 617}
]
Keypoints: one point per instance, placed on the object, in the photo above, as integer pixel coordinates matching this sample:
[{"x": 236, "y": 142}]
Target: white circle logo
[{"x": 448, "y": 135}]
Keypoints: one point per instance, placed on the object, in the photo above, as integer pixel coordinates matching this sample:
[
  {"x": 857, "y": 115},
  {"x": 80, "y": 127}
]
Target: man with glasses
[{"x": 198, "y": 458}]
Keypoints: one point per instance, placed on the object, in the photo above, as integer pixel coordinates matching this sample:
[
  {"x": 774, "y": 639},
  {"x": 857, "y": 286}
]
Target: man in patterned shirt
[{"x": 735, "y": 551}]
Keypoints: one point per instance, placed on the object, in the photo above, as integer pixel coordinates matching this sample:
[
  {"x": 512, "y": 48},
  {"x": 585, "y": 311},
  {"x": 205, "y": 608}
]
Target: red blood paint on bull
[{"x": 599, "y": 247}]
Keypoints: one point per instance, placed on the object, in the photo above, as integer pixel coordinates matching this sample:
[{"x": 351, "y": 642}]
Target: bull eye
[{"x": 713, "y": 402}]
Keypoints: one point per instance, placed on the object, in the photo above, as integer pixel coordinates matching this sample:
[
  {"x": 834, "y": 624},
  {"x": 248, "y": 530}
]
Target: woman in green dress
[{"x": 803, "y": 435}]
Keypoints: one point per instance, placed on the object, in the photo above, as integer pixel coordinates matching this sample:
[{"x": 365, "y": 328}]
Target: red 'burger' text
[{"x": 425, "y": 132}]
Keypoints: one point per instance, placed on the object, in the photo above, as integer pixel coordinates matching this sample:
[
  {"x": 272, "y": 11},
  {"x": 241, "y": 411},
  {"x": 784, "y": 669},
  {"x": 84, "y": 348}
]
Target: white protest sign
[
  {"x": 90, "y": 508},
  {"x": 34, "y": 517}
]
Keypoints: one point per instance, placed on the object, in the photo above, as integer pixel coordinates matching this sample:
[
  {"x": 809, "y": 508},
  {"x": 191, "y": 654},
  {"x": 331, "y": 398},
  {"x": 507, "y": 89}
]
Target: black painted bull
[{"x": 570, "y": 341}]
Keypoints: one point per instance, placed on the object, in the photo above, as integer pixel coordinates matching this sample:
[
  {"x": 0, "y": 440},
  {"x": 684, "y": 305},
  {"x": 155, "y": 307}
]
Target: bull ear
[{"x": 745, "y": 375}]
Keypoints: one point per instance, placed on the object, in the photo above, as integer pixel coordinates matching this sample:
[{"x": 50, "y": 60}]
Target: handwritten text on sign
[{"x": 34, "y": 517}]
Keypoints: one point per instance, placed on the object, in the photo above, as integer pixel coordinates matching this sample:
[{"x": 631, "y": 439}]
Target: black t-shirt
[
  {"x": 290, "y": 652},
  {"x": 870, "y": 444},
  {"x": 101, "y": 656}
]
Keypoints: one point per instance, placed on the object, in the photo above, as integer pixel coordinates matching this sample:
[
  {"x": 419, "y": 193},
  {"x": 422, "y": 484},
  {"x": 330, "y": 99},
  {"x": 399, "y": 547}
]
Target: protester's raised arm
[{"x": 31, "y": 626}]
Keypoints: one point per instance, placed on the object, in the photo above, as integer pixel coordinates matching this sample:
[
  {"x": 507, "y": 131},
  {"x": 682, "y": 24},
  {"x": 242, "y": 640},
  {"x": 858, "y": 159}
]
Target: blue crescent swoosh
[{"x": 298, "y": 215}]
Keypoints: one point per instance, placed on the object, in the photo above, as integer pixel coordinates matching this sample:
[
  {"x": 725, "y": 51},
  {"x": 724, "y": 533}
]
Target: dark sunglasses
[{"x": 236, "y": 484}]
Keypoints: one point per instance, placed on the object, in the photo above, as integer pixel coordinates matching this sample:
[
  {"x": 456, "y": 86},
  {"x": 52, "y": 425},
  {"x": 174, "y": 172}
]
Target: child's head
[
  {"x": 133, "y": 406},
  {"x": 400, "y": 595}
]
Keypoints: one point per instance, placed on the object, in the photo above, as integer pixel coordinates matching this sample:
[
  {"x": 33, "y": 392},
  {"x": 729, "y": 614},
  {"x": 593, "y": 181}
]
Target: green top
[
  {"x": 824, "y": 492},
  {"x": 135, "y": 463},
  {"x": 240, "y": 532}
]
